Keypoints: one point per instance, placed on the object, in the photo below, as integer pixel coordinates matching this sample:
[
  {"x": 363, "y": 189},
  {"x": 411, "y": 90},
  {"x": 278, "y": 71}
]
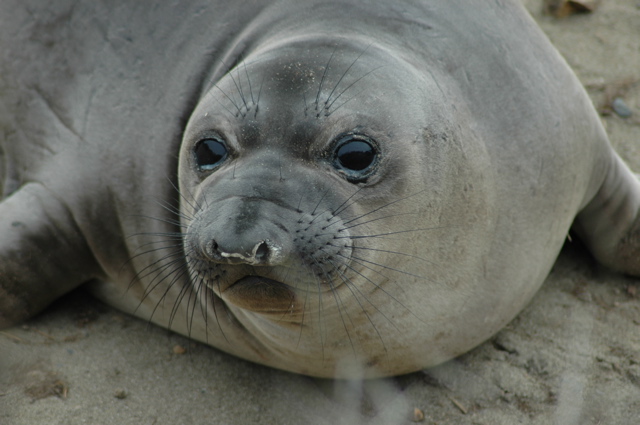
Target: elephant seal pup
[{"x": 338, "y": 190}]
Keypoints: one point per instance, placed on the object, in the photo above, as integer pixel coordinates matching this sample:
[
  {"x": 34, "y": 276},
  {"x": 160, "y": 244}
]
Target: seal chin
[{"x": 261, "y": 295}]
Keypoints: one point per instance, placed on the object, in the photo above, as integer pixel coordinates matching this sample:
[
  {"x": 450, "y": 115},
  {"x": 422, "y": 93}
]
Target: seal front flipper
[
  {"x": 42, "y": 253},
  {"x": 610, "y": 223}
]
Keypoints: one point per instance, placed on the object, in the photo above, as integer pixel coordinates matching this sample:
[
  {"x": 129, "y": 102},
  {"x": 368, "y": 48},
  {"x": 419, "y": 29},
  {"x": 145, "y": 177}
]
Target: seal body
[{"x": 361, "y": 193}]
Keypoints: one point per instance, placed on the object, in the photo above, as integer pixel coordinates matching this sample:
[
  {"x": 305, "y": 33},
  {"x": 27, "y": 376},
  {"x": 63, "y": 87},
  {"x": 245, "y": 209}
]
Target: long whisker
[
  {"x": 157, "y": 266},
  {"x": 313, "y": 213},
  {"x": 341, "y": 310},
  {"x": 328, "y": 107},
  {"x": 175, "y": 277},
  {"x": 212, "y": 296},
  {"x": 193, "y": 203},
  {"x": 379, "y": 287},
  {"x": 239, "y": 87},
  {"x": 304, "y": 310},
  {"x": 248, "y": 81},
  {"x": 373, "y": 220},
  {"x": 380, "y": 235},
  {"x": 404, "y": 254},
  {"x": 388, "y": 204},
  {"x": 324, "y": 75},
  {"x": 347, "y": 202},
  {"x": 362, "y": 260},
  {"x": 258, "y": 99},
  {"x": 230, "y": 100},
  {"x": 352, "y": 287},
  {"x": 342, "y": 77},
  {"x": 184, "y": 290}
]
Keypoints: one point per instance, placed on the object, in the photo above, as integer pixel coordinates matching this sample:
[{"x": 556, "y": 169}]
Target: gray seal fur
[{"x": 193, "y": 165}]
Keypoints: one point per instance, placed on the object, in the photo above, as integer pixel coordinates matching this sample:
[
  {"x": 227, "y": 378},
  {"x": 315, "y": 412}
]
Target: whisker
[
  {"x": 340, "y": 306},
  {"x": 175, "y": 251},
  {"x": 333, "y": 213},
  {"x": 157, "y": 265},
  {"x": 304, "y": 311},
  {"x": 162, "y": 298},
  {"x": 194, "y": 297},
  {"x": 204, "y": 310},
  {"x": 244, "y": 62},
  {"x": 346, "y": 204},
  {"x": 328, "y": 113},
  {"x": 172, "y": 277},
  {"x": 239, "y": 87},
  {"x": 321, "y": 329},
  {"x": 173, "y": 210},
  {"x": 394, "y": 233},
  {"x": 235, "y": 83},
  {"x": 361, "y": 260},
  {"x": 351, "y": 286},
  {"x": 170, "y": 221},
  {"x": 230, "y": 100},
  {"x": 380, "y": 288},
  {"x": 327, "y": 107},
  {"x": 193, "y": 204},
  {"x": 404, "y": 254},
  {"x": 225, "y": 107},
  {"x": 258, "y": 99},
  {"x": 342, "y": 77},
  {"x": 200, "y": 293},
  {"x": 372, "y": 220},
  {"x": 186, "y": 288},
  {"x": 170, "y": 237},
  {"x": 313, "y": 213},
  {"x": 210, "y": 297},
  {"x": 324, "y": 75}
]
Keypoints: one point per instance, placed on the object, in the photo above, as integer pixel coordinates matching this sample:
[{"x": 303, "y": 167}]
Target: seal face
[
  {"x": 302, "y": 209},
  {"x": 358, "y": 194},
  {"x": 280, "y": 182}
]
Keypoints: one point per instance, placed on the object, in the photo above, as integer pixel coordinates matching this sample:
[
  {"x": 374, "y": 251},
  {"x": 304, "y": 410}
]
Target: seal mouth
[{"x": 261, "y": 295}]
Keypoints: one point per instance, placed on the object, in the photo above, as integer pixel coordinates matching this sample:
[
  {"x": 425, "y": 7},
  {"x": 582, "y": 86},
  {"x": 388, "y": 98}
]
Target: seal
[{"x": 352, "y": 194}]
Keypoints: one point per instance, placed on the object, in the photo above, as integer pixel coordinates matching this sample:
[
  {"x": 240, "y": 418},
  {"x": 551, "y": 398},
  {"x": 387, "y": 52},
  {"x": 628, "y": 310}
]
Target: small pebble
[
  {"x": 120, "y": 394},
  {"x": 621, "y": 108},
  {"x": 418, "y": 415},
  {"x": 179, "y": 349},
  {"x": 583, "y": 295}
]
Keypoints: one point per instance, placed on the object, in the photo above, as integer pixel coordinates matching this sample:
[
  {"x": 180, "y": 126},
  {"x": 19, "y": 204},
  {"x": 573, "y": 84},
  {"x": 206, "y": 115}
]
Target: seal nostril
[
  {"x": 212, "y": 250},
  {"x": 262, "y": 252}
]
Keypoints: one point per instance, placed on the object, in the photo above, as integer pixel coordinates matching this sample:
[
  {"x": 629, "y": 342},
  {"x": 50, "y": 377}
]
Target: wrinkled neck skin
[{"x": 295, "y": 263}]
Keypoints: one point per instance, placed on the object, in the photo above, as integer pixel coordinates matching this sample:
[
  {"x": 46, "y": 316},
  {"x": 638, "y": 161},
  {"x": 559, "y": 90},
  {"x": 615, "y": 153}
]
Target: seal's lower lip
[{"x": 260, "y": 295}]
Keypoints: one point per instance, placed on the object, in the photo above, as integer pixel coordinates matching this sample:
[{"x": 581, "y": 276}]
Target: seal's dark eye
[
  {"x": 210, "y": 153},
  {"x": 356, "y": 157}
]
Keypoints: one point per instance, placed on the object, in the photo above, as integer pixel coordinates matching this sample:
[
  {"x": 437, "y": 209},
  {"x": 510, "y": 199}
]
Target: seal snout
[{"x": 263, "y": 253}]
